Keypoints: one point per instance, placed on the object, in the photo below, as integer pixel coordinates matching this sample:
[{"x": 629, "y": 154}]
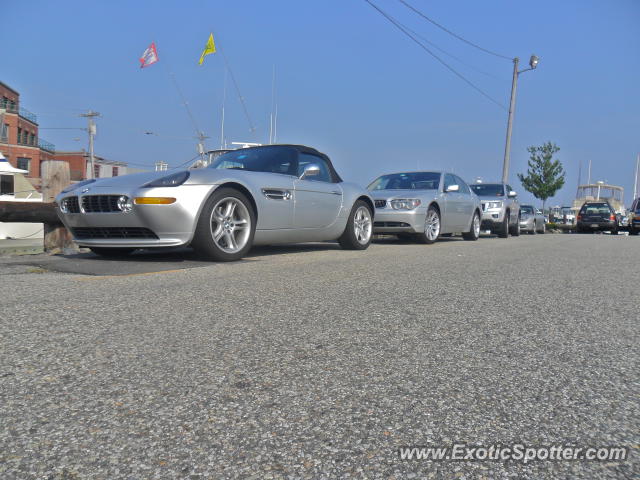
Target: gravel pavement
[{"x": 317, "y": 363}]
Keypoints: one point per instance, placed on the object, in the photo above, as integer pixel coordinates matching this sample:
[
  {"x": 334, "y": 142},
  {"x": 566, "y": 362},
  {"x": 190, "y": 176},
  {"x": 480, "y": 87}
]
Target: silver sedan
[
  {"x": 252, "y": 196},
  {"x": 425, "y": 206},
  {"x": 531, "y": 220}
]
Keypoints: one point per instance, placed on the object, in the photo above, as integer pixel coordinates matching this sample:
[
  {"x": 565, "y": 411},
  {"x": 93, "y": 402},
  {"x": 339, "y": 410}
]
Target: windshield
[
  {"x": 260, "y": 159},
  {"x": 527, "y": 209},
  {"x": 596, "y": 209},
  {"x": 407, "y": 181},
  {"x": 488, "y": 189}
]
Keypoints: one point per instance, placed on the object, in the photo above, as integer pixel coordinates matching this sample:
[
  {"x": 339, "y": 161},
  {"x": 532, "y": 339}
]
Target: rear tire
[
  {"x": 543, "y": 229},
  {"x": 359, "y": 230},
  {"x": 112, "y": 252},
  {"x": 474, "y": 232},
  {"x": 633, "y": 231},
  {"x": 226, "y": 226}
]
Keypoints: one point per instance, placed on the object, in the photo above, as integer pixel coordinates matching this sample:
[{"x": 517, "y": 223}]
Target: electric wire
[
  {"x": 415, "y": 10},
  {"x": 446, "y": 65}
]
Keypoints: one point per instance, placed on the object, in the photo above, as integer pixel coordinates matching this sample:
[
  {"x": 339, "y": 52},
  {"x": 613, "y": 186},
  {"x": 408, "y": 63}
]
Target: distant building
[
  {"x": 22, "y": 146},
  {"x": 79, "y": 165}
]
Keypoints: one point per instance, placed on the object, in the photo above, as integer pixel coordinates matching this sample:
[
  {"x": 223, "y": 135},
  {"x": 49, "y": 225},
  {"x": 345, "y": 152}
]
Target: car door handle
[
  {"x": 335, "y": 192},
  {"x": 276, "y": 194}
]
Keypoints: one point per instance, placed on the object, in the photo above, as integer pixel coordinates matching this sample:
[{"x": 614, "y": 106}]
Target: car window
[
  {"x": 307, "y": 159},
  {"x": 595, "y": 209},
  {"x": 488, "y": 189},
  {"x": 407, "y": 181},
  {"x": 464, "y": 188},
  {"x": 527, "y": 209},
  {"x": 449, "y": 180},
  {"x": 259, "y": 159}
]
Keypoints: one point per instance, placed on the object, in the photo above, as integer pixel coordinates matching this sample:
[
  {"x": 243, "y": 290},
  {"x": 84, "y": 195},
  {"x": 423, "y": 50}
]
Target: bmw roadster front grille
[
  {"x": 87, "y": 233},
  {"x": 100, "y": 203}
]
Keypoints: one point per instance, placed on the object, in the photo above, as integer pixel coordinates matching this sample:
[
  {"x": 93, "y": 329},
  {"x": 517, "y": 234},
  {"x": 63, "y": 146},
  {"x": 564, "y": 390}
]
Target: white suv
[{"x": 500, "y": 208}]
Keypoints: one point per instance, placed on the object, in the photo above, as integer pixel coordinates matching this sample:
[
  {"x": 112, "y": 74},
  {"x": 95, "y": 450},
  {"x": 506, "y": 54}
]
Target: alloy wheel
[
  {"x": 230, "y": 224},
  {"x": 432, "y": 225},
  {"x": 362, "y": 225}
]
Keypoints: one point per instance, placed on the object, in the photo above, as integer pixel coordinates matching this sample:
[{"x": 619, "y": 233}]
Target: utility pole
[
  {"x": 635, "y": 181},
  {"x": 533, "y": 63},
  {"x": 91, "y": 129}
]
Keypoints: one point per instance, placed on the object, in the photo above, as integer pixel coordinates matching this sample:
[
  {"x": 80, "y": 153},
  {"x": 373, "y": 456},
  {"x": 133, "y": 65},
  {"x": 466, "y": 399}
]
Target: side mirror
[
  {"x": 311, "y": 170},
  {"x": 453, "y": 188},
  {"x": 512, "y": 194}
]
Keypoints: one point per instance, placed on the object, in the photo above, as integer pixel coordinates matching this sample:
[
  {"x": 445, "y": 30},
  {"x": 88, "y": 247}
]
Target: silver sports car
[
  {"x": 251, "y": 196},
  {"x": 425, "y": 205}
]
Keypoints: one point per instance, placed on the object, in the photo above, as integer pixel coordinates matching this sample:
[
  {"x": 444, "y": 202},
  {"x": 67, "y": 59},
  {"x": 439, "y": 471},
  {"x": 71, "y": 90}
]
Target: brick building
[
  {"x": 21, "y": 144},
  {"x": 19, "y": 139}
]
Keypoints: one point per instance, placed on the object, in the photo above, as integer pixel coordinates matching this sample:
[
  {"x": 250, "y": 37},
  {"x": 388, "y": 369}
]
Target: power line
[
  {"x": 415, "y": 10},
  {"x": 473, "y": 67},
  {"x": 449, "y": 67}
]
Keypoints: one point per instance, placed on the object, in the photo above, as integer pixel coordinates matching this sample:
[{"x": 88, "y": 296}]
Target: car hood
[
  {"x": 490, "y": 197},
  {"x": 385, "y": 194},
  {"x": 130, "y": 181}
]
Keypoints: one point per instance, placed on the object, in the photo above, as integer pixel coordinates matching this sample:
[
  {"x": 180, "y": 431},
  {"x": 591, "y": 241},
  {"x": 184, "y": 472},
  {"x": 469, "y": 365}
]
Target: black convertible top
[{"x": 310, "y": 150}]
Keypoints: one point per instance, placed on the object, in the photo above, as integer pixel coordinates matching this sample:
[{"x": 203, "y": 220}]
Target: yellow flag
[{"x": 210, "y": 47}]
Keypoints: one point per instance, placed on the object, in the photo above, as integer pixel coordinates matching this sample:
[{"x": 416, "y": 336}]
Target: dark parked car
[
  {"x": 634, "y": 217},
  {"x": 597, "y": 217}
]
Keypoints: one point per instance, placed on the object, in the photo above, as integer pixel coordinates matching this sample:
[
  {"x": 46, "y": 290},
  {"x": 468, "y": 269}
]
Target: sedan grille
[
  {"x": 381, "y": 203},
  {"x": 100, "y": 203},
  {"x": 72, "y": 205},
  {"x": 112, "y": 232}
]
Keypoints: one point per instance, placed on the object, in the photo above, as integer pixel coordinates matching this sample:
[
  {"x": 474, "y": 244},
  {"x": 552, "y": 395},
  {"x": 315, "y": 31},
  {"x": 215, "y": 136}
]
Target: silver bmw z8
[
  {"x": 251, "y": 196},
  {"x": 424, "y": 206}
]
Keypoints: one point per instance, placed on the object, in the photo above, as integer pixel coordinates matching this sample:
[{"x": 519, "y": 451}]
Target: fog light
[
  {"x": 495, "y": 215},
  {"x": 124, "y": 204}
]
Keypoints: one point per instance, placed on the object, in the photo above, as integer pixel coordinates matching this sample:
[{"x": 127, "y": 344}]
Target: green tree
[{"x": 545, "y": 176}]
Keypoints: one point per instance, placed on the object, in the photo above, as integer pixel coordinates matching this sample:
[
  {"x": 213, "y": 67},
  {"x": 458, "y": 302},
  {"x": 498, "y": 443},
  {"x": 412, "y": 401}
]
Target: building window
[
  {"x": 4, "y": 135},
  {"x": 25, "y": 139},
  {"x": 115, "y": 172},
  {"x": 96, "y": 171},
  {"x": 6, "y": 185},
  {"x": 24, "y": 163},
  {"x": 32, "y": 139},
  {"x": 19, "y": 135}
]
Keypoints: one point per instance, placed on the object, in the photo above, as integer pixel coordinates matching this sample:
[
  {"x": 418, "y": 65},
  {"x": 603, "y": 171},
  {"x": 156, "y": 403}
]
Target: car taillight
[
  {"x": 612, "y": 217},
  {"x": 579, "y": 217}
]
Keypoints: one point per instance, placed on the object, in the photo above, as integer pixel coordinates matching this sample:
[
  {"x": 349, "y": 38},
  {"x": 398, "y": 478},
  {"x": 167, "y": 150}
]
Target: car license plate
[{"x": 594, "y": 225}]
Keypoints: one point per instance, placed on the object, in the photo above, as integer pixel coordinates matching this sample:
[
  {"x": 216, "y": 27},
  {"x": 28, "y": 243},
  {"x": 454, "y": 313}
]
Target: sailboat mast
[
  {"x": 635, "y": 182},
  {"x": 224, "y": 99}
]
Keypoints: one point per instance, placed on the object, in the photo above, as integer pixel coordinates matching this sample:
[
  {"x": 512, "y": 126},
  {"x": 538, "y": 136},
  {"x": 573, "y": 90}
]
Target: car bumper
[
  {"x": 399, "y": 221},
  {"x": 144, "y": 226},
  {"x": 596, "y": 226},
  {"x": 491, "y": 219}
]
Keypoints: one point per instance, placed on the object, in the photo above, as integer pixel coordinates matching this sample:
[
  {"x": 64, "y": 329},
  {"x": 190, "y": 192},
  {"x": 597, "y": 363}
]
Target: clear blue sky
[{"x": 348, "y": 83}]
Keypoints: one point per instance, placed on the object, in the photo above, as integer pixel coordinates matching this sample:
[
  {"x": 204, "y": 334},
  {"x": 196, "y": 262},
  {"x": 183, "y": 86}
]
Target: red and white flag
[{"x": 150, "y": 56}]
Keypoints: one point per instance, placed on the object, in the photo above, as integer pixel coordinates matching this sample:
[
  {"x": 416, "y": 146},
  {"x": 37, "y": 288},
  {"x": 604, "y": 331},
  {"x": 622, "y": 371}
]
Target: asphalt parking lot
[{"x": 314, "y": 362}]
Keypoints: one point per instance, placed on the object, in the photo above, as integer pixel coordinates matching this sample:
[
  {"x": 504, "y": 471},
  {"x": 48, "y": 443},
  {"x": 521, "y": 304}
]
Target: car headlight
[
  {"x": 64, "y": 207},
  {"x": 124, "y": 204},
  {"x": 494, "y": 205},
  {"x": 169, "y": 181},
  {"x": 73, "y": 186},
  {"x": 405, "y": 203}
]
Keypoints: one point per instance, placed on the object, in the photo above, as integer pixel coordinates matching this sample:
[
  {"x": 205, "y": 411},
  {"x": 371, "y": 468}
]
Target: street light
[{"x": 533, "y": 63}]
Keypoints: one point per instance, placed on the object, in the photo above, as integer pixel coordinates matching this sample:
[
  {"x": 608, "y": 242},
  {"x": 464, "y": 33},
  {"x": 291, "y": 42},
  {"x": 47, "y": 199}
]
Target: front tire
[
  {"x": 112, "y": 252},
  {"x": 515, "y": 230},
  {"x": 359, "y": 230},
  {"x": 226, "y": 226},
  {"x": 504, "y": 229},
  {"x": 431, "y": 227},
  {"x": 474, "y": 232}
]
